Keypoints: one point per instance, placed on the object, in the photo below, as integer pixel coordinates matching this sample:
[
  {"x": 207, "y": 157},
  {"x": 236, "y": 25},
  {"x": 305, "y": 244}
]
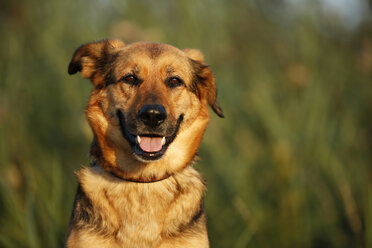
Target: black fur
[{"x": 84, "y": 216}]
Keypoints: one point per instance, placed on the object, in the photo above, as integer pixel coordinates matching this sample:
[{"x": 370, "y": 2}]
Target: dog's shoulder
[{"x": 86, "y": 213}]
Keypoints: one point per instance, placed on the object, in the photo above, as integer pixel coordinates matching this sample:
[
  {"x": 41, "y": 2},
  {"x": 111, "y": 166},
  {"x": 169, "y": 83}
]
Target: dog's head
[{"x": 148, "y": 108}]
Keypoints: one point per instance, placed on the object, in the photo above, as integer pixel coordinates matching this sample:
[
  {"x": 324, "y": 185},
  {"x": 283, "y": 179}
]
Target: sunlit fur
[{"x": 114, "y": 212}]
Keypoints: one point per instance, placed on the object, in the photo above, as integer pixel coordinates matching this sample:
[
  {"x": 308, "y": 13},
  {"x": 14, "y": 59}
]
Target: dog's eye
[
  {"x": 130, "y": 79},
  {"x": 174, "y": 82}
]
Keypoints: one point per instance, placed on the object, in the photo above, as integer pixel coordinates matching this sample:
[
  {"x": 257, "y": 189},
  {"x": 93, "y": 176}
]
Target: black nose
[{"x": 152, "y": 115}]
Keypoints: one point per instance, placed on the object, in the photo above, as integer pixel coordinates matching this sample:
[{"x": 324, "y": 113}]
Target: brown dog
[{"x": 148, "y": 111}]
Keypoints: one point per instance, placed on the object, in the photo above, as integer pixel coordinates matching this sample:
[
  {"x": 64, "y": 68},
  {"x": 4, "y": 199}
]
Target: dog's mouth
[{"x": 147, "y": 147}]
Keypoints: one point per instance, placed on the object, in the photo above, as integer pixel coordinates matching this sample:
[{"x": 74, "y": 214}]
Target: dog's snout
[{"x": 152, "y": 115}]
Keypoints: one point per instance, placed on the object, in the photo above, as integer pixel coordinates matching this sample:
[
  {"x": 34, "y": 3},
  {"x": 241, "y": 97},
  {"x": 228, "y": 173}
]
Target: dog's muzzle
[{"x": 151, "y": 141}]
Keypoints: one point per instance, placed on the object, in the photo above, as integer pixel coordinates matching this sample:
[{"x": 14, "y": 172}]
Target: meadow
[{"x": 290, "y": 165}]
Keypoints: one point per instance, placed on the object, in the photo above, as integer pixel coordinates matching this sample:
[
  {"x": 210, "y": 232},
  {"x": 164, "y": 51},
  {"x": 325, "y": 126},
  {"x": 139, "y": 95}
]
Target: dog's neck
[
  {"x": 116, "y": 172},
  {"x": 140, "y": 180}
]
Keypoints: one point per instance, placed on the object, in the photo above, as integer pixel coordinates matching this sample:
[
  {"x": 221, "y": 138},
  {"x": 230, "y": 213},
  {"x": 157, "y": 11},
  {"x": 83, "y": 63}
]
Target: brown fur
[{"x": 123, "y": 201}]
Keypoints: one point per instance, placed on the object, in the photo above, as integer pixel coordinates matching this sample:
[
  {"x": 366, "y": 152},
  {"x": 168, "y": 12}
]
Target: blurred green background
[{"x": 289, "y": 166}]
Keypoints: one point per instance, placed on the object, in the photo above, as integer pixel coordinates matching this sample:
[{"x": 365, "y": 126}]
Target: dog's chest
[
  {"x": 140, "y": 211},
  {"x": 144, "y": 214},
  {"x": 131, "y": 213}
]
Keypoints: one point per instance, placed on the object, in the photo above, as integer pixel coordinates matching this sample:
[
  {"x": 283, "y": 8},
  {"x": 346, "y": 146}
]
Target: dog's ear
[
  {"x": 91, "y": 59},
  {"x": 203, "y": 84}
]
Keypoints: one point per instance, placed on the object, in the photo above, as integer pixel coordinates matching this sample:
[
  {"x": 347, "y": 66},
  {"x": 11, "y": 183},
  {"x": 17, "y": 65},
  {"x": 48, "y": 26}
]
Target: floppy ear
[
  {"x": 203, "y": 83},
  {"x": 91, "y": 59}
]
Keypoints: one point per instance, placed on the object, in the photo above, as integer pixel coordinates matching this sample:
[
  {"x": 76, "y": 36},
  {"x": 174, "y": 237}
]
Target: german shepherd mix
[{"x": 148, "y": 111}]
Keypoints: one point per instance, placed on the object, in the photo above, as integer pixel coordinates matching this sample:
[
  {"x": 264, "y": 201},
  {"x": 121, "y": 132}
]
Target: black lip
[{"x": 132, "y": 140}]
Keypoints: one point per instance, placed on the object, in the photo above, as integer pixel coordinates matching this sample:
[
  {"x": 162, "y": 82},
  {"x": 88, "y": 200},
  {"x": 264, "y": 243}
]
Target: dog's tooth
[
  {"x": 138, "y": 139},
  {"x": 163, "y": 141}
]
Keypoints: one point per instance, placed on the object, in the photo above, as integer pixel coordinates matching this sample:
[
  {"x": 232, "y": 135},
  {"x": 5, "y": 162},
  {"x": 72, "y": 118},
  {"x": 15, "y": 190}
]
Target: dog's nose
[{"x": 152, "y": 115}]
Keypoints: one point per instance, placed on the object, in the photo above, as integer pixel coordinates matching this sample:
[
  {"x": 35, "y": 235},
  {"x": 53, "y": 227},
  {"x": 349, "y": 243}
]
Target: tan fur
[
  {"x": 110, "y": 210},
  {"x": 142, "y": 215}
]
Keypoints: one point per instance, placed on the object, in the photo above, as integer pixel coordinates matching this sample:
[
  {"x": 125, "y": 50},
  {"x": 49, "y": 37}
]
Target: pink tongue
[{"x": 151, "y": 144}]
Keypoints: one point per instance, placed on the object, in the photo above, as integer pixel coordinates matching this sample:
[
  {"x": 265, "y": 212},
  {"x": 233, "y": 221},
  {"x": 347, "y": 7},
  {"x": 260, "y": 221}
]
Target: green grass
[{"x": 289, "y": 166}]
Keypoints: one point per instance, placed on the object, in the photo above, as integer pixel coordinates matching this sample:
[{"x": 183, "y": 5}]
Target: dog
[{"x": 148, "y": 111}]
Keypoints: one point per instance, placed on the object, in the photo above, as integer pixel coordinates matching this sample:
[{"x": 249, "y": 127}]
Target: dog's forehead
[
  {"x": 145, "y": 52},
  {"x": 152, "y": 50}
]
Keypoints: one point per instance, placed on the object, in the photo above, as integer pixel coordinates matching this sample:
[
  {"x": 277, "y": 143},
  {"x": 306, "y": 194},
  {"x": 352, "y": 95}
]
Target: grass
[{"x": 289, "y": 166}]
